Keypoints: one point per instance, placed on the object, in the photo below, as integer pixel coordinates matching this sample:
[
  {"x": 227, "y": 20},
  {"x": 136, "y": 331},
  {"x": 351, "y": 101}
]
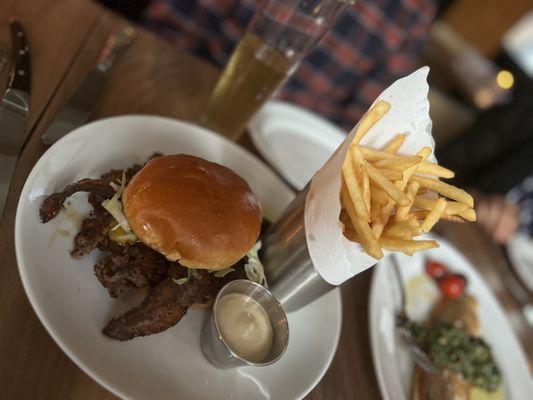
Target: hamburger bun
[{"x": 193, "y": 211}]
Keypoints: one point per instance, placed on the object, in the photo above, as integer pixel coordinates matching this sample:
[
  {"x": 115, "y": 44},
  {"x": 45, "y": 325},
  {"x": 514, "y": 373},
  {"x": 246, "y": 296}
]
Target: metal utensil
[
  {"x": 403, "y": 322},
  {"x": 83, "y": 102},
  {"x": 14, "y": 109}
]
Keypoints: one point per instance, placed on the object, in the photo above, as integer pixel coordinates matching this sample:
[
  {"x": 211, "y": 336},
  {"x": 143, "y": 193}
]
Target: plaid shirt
[{"x": 374, "y": 43}]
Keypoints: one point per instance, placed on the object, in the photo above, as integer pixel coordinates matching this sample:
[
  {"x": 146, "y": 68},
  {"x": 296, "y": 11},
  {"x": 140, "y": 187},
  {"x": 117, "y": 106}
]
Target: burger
[
  {"x": 179, "y": 227},
  {"x": 195, "y": 212}
]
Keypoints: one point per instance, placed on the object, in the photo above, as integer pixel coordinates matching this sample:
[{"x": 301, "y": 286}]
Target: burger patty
[{"x": 134, "y": 266}]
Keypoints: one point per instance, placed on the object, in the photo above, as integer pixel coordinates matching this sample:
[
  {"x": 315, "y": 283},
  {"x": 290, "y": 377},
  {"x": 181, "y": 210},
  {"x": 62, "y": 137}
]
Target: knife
[
  {"x": 14, "y": 108},
  {"x": 83, "y": 102}
]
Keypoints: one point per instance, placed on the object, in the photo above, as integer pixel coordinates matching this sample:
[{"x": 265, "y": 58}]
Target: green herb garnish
[{"x": 459, "y": 352}]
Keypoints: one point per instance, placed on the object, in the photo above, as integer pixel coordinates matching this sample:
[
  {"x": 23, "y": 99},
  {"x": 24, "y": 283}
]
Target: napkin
[{"x": 334, "y": 257}]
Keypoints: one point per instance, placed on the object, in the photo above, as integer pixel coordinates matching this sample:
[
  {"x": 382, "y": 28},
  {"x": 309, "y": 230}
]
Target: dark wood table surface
[{"x": 153, "y": 77}]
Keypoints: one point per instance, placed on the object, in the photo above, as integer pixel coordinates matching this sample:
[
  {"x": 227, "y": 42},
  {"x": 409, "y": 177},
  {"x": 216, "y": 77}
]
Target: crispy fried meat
[
  {"x": 167, "y": 303},
  {"x": 135, "y": 265},
  {"x": 54, "y": 203},
  {"x": 131, "y": 266}
]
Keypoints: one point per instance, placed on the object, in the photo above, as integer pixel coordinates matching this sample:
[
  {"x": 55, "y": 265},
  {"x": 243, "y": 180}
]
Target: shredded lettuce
[
  {"x": 191, "y": 273},
  {"x": 254, "y": 268},
  {"x": 127, "y": 238},
  {"x": 114, "y": 207},
  {"x": 115, "y": 186},
  {"x": 181, "y": 281},
  {"x": 221, "y": 273},
  {"x": 118, "y": 235}
]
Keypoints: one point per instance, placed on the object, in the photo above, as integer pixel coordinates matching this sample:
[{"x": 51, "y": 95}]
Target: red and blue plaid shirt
[{"x": 374, "y": 43}]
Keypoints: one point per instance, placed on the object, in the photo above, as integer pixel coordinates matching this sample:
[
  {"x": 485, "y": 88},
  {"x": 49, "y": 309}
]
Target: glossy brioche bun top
[{"x": 193, "y": 211}]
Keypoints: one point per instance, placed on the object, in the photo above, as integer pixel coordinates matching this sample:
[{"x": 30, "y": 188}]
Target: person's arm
[{"x": 497, "y": 216}]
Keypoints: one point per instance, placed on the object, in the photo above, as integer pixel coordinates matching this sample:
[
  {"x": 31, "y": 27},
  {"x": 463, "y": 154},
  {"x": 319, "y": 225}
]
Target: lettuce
[
  {"x": 254, "y": 268},
  {"x": 114, "y": 207}
]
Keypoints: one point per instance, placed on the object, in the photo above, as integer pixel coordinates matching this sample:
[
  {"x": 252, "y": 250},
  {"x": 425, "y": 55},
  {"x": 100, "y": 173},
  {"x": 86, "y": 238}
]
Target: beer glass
[{"x": 279, "y": 35}]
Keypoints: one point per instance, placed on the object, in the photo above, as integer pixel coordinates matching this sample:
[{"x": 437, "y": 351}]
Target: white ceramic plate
[
  {"x": 392, "y": 362},
  {"x": 520, "y": 251},
  {"x": 296, "y": 142},
  {"x": 74, "y": 307}
]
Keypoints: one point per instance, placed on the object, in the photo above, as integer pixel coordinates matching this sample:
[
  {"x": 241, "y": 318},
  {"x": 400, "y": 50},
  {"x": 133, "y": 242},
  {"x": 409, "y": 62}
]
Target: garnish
[
  {"x": 191, "y": 273},
  {"x": 254, "y": 268},
  {"x": 452, "y": 286},
  {"x": 118, "y": 235},
  {"x": 456, "y": 350},
  {"x": 435, "y": 269},
  {"x": 221, "y": 273},
  {"x": 114, "y": 207}
]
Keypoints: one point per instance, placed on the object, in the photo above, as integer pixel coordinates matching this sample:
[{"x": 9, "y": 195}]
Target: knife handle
[
  {"x": 20, "y": 75},
  {"x": 115, "y": 44}
]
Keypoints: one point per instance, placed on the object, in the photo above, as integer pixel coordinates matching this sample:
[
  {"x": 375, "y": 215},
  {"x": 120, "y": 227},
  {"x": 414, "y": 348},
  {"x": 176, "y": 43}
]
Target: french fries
[
  {"x": 375, "y": 155},
  {"x": 408, "y": 247},
  {"x": 397, "y": 164},
  {"x": 391, "y": 174},
  {"x": 354, "y": 189},
  {"x": 395, "y": 143},
  {"x": 389, "y": 187},
  {"x": 403, "y": 229},
  {"x": 376, "y": 112},
  {"x": 428, "y": 168},
  {"x": 365, "y": 182},
  {"x": 446, "y": 190},
  {"x": 403, "y": 211},
  {"x": 422, "y": 214},
  {"x": 375, "y": 212},
  {"x": 364, "y": 233},
  {"x": 434, "y": 215},
  {"x": 378, "y": 195},
  {"x": 468, "y": 215},
  {"x": 452, "y": 207},
  {"x": 389, "y": 199}
]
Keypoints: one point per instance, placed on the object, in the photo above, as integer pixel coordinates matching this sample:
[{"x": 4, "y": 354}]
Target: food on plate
[
  {"x": 435, "y": 269},
  {"x": 198, "y": 213},
  {"x": 451, "y": 285},
  {"x": 450, "y": 337},
  {"x": 388, "y": 199},
  {"x": 179, "y": 227}
]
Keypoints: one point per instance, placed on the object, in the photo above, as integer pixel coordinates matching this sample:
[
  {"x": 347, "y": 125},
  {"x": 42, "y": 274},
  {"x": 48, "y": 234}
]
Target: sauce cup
[{"x": 218, "y": 351}]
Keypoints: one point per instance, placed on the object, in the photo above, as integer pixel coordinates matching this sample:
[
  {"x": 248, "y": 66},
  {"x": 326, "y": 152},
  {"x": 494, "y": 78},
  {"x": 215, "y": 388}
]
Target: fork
[{"x": 403, "y": 322}]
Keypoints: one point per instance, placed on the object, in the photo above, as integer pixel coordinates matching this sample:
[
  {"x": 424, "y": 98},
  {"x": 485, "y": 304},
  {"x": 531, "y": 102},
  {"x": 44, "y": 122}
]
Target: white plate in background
[
  {"x": 295, "y": 141},
  {"x": 520, "y": 251},
  {"x": 392, "y": 362},
  {"x": 74, "y": 307}
]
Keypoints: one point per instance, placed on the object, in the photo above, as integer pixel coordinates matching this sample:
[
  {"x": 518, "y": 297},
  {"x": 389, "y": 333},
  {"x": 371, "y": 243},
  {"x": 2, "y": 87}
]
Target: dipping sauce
[{"x": 245, "y": 326}]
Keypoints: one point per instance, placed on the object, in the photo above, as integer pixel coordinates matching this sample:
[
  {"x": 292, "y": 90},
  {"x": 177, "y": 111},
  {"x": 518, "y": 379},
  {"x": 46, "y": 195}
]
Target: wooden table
[{"x": 151, "y": 78}]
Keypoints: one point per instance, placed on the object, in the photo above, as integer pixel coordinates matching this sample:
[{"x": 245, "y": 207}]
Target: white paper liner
[{"x": 335, "y": 258}]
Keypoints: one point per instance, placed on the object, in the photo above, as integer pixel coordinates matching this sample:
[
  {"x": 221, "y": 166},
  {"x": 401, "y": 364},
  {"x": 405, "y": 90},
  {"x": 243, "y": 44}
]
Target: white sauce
[{"x": 245, "y": 326}]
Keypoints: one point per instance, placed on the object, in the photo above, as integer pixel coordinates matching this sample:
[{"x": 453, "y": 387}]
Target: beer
[{"x": 255, "y": 70}]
